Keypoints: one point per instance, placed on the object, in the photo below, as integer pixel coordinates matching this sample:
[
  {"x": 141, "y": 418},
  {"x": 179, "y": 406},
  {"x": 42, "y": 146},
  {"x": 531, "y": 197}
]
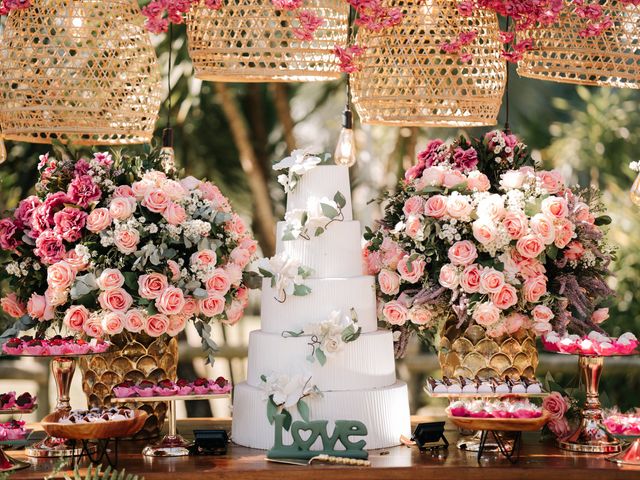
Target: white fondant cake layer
[
  {"x": 365, "y": 363},
  {"x": 327, "y": 295},
  {"x": 337, "y": 253},
  {"x": 384, "y": 411},
  {"x": 322, "y": 181}
]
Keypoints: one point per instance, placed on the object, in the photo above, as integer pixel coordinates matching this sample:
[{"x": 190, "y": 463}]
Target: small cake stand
[
  {"x": 7, "y": 463},
  {"x": 591, "y": 436},
  {"x": 62, "y": 368},
  {"x": 172, "y": 444}
]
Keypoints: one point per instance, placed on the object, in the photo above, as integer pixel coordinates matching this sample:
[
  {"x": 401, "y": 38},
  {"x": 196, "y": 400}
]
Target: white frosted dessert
[{"x": 357, "y": 380}]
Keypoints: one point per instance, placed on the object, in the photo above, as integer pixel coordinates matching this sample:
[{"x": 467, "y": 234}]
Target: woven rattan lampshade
[
  {"x": 78, "y": 70},
  {"x": 251, "y": 41},
  {"x": 405, "y": 79},
  {"x": 612, "y": 58}
]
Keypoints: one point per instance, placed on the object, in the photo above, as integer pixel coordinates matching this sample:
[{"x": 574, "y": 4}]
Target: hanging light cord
[
  {"x": 348, "y": 116},
  {"x": 167, "y": 133},
  {"x": 507, "y": 128}
]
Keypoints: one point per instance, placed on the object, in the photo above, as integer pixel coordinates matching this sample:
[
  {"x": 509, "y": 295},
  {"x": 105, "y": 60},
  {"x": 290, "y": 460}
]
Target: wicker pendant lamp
[
  {"x": 251, "y": 41},
  {"x": 405, "y": 79},
  {"x": 78, "y": 70},
  {"x": 611, "y": 58}
]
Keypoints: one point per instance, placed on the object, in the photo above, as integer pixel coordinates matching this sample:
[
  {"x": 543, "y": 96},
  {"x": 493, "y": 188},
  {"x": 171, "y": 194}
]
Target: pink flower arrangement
[
  {"x": 107, "y": 254},
  {"x": 476, "y": 231}
]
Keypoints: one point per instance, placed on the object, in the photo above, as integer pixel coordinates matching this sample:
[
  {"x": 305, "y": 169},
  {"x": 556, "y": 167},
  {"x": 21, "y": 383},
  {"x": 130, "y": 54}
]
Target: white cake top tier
[{"x": 322, "y": 181}]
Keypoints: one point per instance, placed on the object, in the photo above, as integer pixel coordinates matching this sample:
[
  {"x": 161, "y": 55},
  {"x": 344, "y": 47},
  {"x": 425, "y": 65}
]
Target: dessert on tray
[
  {"x": 167, "y": 388},
  {"x": 9, "y": 401},
  {"x": 511, "y": 385},
  {"x": 593, "y": 344},
  {"x": 54, "y": 346},
  {"x": 97, "y": 415},
  {"x": 319, "y": 335},
  {"x": 12, "y": 431},
  {"x": 623, "y": 424},
  {"x": 515, "y": 408}
]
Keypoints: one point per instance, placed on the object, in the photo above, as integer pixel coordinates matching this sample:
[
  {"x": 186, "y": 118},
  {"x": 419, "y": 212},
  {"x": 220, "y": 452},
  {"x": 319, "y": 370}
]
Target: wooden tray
[
  {"x": 502, "y": 424},
  {"x": 93, "y": 431}
]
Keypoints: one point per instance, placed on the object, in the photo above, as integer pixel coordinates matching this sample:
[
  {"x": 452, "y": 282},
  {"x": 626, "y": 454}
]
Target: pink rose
[
  {"x": 421, "y": 316},
  {"x": 174, "y": 190},
  {"x": 413, "y": 206},
  {"x": 555, "y": 207},
  {"x": 156, "y": 200},
  {"x": 212, "y": 306},
  {"x": 486, "y": 314},
  {"x": 514, "y": 322},
  {"x": 12, "y": 306},
  {"x": 122, "y": 208},
  {"x": 174, "y": 214},
  {"x": 113, "y": 323},
  {"x": 203, "y": 259},
  {"x": 414, "y": 227},
  {"x": 110, "y": 279},
  {"x": 171, "y": 301},
  {"x": 574, "y": 251},
  {"x": 174, "y": 269},
  {"x": 395, "y": 313},
  {"x": 69, "y": 223},
  {"x": 478, "y": 181},
  {"x": 542, "y": 328},
  {"x": 77, "y": 260},
  {"x": 463, "y": 253},
  {"x": 453, "y": 178},
  {"x": 542, "y": 313},
  {"x": 530, "y": 246},
  {"x": 218, "y": 282},
  {"x": 156, "y": 325},
  {"x": 411, "y": 270},
  {"x": 491, "y": 280},
  {"x": 116, "y": 300},
  {"x": 124, "y": 191},
  {"x": 75, "y": 318},
  {"x": 496, "y": 330},
  {"x": 506, "y": 297},
  {"x": 600, "y": 315},
  {"x": 60, "y": 276},
  {"x": 458, "y": 207},
  {"x": 491, "y": 207},
  {"x": 39, "y": 308},
  {"x": 50, "y": 247},
  {"x": 134, "y": 321},
  {"x": 83, "y": 191},
  {"x": 565, "y": 231},
  {"x": 435, "y": 206},
  {"x": 93, "y": 327},
  {"x": 470, "y": 279},
  {"x": 484, "y": 231},
  {"x": 389, "y": 282},
  {"x": 177, "y": 324},
  {"x": 531, "y": 267},
  {"x": 512, "y": 180},
  {"x": 535, "y": 288},
  {"x": 581, "y": 212},
  {"x": 543, "y": 226},
  {"x": 516, "y": 224},
  {"x": 240, "y": 256},
  {"x": 98, "y": 220},
  {"x": 560, "y": 428},
  {"x": 236, "y": 225},
  {"x": 249, "y": 244},
  {"x": 556, "y": 405},
  {"x": 56, "y": 298},
  {"x": 552, "y": 181},
  {"x": 190, "y": 183},
  {"x": 141, "y": 188},
  {"x": 432, "y": 177},
  {"x": 234, "y": 313},
  {"x": 126, "y": 240},
  {"x": 152, "y": 285},
  {"x": 190, "y": 308},
  {"x": 155, "y": 176},
  {"x": 234, "y": 272},
  {"x": 392, "y": 253},
  {"x": 449, "y": 277}
]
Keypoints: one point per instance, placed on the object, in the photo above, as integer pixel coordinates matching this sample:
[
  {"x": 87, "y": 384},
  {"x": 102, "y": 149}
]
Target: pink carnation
[
  {"x": 69, "y": 223},
  {"x": 83, "y": 191}
]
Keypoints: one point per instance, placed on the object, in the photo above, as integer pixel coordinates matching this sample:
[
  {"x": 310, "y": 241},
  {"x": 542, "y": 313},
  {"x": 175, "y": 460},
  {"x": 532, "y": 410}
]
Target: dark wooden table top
[{"x": 539, "y": 461}]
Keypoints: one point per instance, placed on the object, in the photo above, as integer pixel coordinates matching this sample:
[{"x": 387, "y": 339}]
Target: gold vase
[
  {"x": 469, "y": 352},
  {"x": 137, "y": 357}
]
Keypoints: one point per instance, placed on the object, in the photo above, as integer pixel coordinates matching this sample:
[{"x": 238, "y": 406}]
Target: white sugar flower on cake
[
  {"x": 298, "y": 163},
  {"x": 286, "y": 276},
  {"x": 315, "y": 218},
  {"x": 283, "y": 392}
]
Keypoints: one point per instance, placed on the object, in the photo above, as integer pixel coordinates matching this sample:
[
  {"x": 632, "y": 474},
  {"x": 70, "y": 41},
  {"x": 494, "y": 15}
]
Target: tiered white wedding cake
[{"x": 355, "y": 377}]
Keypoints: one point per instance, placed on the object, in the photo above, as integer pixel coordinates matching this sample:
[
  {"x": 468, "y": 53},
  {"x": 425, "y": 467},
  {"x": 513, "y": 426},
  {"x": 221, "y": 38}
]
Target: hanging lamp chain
[
  {"x": 167, "y": 133},
  {"x": 507, "y": 127},
  {"x": 347, "y": 116}
]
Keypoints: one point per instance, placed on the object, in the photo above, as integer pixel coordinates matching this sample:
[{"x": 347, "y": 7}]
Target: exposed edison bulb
[
  {"x": 167, "y": 156},
  {"x": 3, "y": 151},
  {"x": 345, "y": 153},
  {"x": 635, "y": 191}
]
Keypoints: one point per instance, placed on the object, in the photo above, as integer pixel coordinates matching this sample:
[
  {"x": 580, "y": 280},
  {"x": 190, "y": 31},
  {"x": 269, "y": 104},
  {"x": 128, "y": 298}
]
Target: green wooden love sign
[{"x": 306, "y": 434}]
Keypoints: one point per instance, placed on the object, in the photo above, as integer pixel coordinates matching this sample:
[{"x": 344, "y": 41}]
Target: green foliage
[{"x": 96, "y": 473}]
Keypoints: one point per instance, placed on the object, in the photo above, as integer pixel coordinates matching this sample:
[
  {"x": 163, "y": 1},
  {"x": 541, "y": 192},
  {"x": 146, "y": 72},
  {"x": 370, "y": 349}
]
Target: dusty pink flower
[
  {"x": 69, "y": 223},
  {"x": 13, "y": 306},
  {"x": 50, "y": 247},
  {"x": 395, "y": 313},
  {"x": 98, "y": 220},
  {"x": 83, "y": 191}
]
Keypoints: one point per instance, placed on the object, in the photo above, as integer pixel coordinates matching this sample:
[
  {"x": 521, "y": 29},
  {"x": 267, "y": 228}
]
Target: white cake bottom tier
[
  {"x": 337, "y": 253},
  {"x": 322, "y": 181},
  {"x": 327, "y": 295},
  {"x": 384, "y": 411},
  {"x": 368, "y": 362}
]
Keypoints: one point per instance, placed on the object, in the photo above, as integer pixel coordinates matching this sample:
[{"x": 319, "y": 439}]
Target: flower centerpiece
[
  {"x": 477, "y": 235},
  {"x": 113, "y": 246}
]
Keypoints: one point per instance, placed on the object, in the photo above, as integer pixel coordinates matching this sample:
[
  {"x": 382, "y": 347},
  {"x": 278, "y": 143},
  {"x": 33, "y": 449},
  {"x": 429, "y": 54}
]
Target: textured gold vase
[
  {"x": 470, "y": 352},
  {"x": 138, "y": 357}
]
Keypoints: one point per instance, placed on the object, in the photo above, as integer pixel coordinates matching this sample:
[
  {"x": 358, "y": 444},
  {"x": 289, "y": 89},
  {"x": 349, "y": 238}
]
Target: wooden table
[{"x": 538, "y": 462}]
